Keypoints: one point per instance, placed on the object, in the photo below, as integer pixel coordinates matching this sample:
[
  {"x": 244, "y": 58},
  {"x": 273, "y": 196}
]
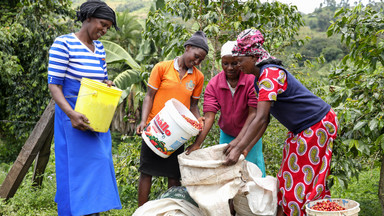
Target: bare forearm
[
  {"x": 194, "y": 108},
  {"x": 209, "y": 120},
  {"x": 195, "y": 111},
  {"x": 250, "y": 117},
  {"x": 58, "y": 97},
  {"x": 257, "y": 138},
  {"x": 147, "y": 106},
  {"x": 254, "y": 132}
]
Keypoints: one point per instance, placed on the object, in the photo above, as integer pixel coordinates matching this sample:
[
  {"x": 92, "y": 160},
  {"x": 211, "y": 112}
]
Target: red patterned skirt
[{"x": 306, "y": 164}]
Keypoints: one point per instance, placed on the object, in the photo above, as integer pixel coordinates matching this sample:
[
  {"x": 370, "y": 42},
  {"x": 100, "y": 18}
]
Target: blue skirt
[
  {"x": 255, "y": 155},
  {"x": 85, "y": 174}
]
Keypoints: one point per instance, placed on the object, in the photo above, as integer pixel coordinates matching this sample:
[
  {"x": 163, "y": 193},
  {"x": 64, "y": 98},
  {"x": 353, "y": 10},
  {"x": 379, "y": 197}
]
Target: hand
[
  {"x": 192, "y": 148},
  {"x": 140, "y": 128},
  {"x": 109, "y": 83},
  {"x": 245, "y": 153},
  {"x": 232, "y": 154},
  {"x": 235, "y": 142},
  {"x": 80, "y": 121},
  {"x": 201, "y": 121}
]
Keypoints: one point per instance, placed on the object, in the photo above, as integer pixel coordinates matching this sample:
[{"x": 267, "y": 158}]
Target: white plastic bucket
[
  {"x": 168, "y": 130},
  {"x": 352, "y": 208}
]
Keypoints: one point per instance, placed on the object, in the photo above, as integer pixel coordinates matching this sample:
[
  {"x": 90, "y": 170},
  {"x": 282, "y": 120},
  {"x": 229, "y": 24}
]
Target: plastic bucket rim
[
  {"x": 101, "y": 86},
  {"x": 179, "y": 119},
  {"x": 182, "y": 123},
  {"x": 307, "y": 207}
]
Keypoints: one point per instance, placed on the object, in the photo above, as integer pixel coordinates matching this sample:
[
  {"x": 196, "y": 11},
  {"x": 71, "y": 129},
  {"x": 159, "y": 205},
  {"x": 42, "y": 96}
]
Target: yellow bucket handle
[{"x": 72, "y": 96}]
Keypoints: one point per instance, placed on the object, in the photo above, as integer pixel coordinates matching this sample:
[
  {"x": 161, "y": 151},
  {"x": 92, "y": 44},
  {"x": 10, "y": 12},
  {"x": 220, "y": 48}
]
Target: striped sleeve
[{"x": 58, "y": 61}]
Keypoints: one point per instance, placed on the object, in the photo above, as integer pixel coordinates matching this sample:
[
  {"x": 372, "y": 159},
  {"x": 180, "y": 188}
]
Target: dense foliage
[
  {"x": 354, "y": 88},
  {"x": 358, "y": 92},
  {"x": 164, "y": 35},
  {"x": 27, "y": 29}
]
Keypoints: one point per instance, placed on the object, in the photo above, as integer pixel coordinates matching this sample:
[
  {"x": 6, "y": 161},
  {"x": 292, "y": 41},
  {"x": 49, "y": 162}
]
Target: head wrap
[
  {"x": 198, "y": 40},
  {"x": 97, "y": 9},
  {"x": 227, "y": 48},
  {"x": 250, "y": 43}
]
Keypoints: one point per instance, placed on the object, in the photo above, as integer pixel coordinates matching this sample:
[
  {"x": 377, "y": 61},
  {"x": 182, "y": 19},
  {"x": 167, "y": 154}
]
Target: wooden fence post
[
  {"x": 42, "y": 161},
  {"x": 41, "y": 134}
]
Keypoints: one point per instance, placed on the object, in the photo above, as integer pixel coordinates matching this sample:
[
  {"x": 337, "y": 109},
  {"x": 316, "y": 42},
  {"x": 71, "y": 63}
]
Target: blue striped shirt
[{"x": 69, "y": 58}]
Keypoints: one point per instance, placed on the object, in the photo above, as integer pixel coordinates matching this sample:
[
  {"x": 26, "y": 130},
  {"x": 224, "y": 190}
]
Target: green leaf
[
  {"x": 115, "y": 53},
  {"x": 380, "y": 141},
  {"x": 338, "y": 12},
  {"x": 359, "y": 125},
  {"x": 373, "y": 124},
  {"x": 160, "y": 4},
  {"x": 125, "y": 79},
  {"x": 344, "y": 61},
  {"x": 124, "y": 95}
]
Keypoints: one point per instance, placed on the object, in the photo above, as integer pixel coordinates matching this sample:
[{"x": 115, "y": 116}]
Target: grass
[{"x": 364, "y": 191}]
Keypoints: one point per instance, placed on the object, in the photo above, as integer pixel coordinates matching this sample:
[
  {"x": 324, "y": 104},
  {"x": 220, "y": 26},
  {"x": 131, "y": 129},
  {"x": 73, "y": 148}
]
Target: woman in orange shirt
[{"x": 179, "y": 79}]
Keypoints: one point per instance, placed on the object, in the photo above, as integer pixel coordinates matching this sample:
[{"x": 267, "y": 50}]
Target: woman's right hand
[
  {"x": 140, "y": 128},
  {"x": 192, "y": 148},
  {"x": 79, "y": 121}
]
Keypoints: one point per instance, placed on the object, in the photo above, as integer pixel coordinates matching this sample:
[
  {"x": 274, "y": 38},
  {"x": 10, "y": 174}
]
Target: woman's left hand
[
  {"x": 232, "y": 153},
  {"x": 109, "y": 83}
]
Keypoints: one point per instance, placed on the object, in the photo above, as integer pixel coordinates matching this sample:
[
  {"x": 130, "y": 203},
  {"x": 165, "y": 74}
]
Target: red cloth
[
  {"x": 306, "y": 156},
  {"x": 234, "y": 110},
  {"x": 306, "y": 164}
]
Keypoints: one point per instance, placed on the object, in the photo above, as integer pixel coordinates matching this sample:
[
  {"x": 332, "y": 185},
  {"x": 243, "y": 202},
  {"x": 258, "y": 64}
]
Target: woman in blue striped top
[{"x": 85, "y": 176}]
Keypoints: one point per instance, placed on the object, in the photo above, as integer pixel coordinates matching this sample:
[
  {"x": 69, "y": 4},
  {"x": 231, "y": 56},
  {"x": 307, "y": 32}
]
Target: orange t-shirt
[{"x": 166, "y": 80}]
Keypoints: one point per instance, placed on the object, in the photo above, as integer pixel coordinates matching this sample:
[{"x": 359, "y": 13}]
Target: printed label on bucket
[{"x": 164, "y": 135}]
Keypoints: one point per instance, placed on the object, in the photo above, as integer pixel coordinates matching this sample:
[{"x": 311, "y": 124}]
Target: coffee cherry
[
  {"x": 327, "y": 206},
  {"x": 194, "y": 123}
]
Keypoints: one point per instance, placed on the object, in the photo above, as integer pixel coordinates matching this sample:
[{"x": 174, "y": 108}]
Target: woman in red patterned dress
[{"x": 311, "y": 122}]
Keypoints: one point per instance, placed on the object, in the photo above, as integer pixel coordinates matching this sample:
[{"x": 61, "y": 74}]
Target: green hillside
[{"x": 136, "y": 8}]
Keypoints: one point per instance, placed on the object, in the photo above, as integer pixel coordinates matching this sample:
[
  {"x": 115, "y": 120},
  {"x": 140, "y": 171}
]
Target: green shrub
[
  {"x": 127, "y": 162},
  {"x": 273, "y": 143},
  {"x": 362, "y": 190},
  {"x": 30, "y": 200}
]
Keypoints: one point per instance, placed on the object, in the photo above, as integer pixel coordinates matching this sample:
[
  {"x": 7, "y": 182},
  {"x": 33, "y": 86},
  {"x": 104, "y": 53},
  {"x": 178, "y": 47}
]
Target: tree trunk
[
  {"x": 118, "y": 123},
  {"x": 381, "y": 184},
  {"x": 126, "y": 110}
]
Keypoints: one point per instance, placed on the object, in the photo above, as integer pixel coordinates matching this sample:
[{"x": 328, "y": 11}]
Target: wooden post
[
  {"x": 39, "y": 136},
  {"x": 42, "y": 161}
]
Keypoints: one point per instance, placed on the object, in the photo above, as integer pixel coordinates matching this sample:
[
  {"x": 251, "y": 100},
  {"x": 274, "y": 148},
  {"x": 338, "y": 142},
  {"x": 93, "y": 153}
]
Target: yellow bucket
[{"x": 98, "y": 103}]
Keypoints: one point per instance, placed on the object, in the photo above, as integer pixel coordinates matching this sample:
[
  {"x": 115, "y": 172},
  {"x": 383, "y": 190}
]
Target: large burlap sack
[
  {"x": 168, "y": 207},
  {"x": 258, "y": 196},
  {"x": 208, "y": 182}
]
